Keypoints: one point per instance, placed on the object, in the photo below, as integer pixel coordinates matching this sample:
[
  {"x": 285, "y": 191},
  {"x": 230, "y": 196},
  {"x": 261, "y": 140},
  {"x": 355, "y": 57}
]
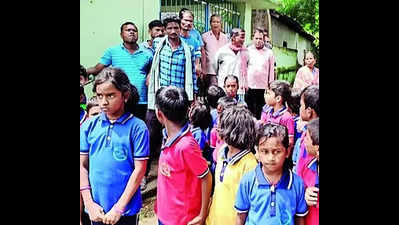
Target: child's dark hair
[
  {"x": 237, "y": 128},
  {"x": 121, "y": 82},
  {"x": 82, "y": 90},
  {"x": 173, "y": 103},
  {"x": 83, "y": 71},
  {"x": 311, "y": 98},
  {"x": 155, "y": 23},
  {"x": 213, "y": 94},
  {"x": 92, "y": 102},
  {"x": 274, "y": 130},
  {"x": 170, "y": 20},
  {"x": 226, "y": 102},
  {"x": 313, "y": 127},
  {"x": 281, "y": 88},
  {"x": 200, "y": 115},
  {"x": 294, "y": 103}
]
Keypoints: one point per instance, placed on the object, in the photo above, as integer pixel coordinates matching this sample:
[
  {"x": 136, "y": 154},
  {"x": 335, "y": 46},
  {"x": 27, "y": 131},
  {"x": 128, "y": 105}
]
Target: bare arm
[
  {"x": 206, "y": 187},
  {"x": 134, "y": 182},
  {"x": 96, "y": 69},
  {"x": 96, "y": 212},
  {"x": 198, "y": 70},
  {"x": 241, "y": 217},
  {"x": 299, "y": 220}
]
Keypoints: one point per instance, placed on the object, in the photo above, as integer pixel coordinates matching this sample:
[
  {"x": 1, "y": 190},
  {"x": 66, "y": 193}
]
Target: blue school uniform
[
  {"x": 112, "y": 149},
  {"x": 266, "y": 204},
  {"x": 297, "y": 134},
  {"x": 199, "y": 136}
]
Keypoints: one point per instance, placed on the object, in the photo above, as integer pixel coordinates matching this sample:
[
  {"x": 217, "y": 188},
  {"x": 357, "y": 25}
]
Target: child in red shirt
[
  {"x": 310, "y": 173},
  {"x": 184, "y": 182}
]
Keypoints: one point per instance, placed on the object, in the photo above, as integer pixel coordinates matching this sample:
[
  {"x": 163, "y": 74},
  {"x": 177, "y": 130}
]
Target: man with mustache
[{"x": 133, "y": 59}]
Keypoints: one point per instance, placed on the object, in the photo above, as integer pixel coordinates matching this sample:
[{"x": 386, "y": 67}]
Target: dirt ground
[{"x": 147, "y": 216}]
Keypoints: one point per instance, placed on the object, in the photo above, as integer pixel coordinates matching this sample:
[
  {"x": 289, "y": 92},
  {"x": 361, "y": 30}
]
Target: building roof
[{"x": 291, "y": 24}]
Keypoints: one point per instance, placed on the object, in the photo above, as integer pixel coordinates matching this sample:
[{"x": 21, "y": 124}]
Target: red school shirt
[
  {"x": 180, "y": 170},
  {"x": 310, "y": 176},
  {"x": 282, "y": 117}
]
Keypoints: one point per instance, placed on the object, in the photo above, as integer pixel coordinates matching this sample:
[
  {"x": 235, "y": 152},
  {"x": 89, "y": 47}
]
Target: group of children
[{"x": 218, "y": 163}]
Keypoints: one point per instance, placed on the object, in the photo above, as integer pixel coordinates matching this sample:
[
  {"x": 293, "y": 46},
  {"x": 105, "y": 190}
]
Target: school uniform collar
[
  {"x": 122, "y": 119},
  {"x": 279, "y": 112},
  {"x": 84, "y": 115},
  {"x": 183, "y": 131},
  {"x": 313, "y": 164},
  {"x": 235, "y": 158},
  {"x": 285, "y": 181}
]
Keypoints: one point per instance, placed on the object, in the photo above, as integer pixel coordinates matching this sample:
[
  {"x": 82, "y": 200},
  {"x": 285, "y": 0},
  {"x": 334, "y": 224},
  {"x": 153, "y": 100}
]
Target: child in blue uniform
[
  {"x": 114, "y": 148},
  {"x": 271, "y": 194},
  {"x": 200, "y": 120}
]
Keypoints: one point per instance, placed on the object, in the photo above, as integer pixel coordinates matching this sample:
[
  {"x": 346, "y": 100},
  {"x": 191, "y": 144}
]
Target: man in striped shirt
[{"x": 133, "y": 59}]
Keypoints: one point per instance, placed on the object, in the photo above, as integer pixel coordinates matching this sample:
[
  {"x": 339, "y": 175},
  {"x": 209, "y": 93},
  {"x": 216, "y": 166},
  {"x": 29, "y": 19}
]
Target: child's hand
[
  {"x": 199, "y": 220},
  {"x": 96, "y": 212},
  {"x": 311, "y": 196},
  {"x": 112, "y": 217}
]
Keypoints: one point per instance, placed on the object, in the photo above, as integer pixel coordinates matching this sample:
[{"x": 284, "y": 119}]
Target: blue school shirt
[
  {"x": 297, "y": 134},
  {"x": 136, "y": 66},
  {"x": 199, "y": 136},
  {"x": 112, "y": 150},
  {"x": 267, "y": 205}
]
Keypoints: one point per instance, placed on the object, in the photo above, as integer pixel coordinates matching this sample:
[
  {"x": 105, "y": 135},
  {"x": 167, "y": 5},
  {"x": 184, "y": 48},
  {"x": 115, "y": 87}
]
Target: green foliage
[{"x": 306, "y": 13}]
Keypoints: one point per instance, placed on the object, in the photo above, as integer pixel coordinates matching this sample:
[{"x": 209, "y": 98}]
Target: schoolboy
[
  {"x": 271, "y": 194},
  {"x": 184, "y": 182},
  {"x": 309, "y": 110},
  {"x": 310, "y": 173},
  {"x": 214, "y": 93},
  {"x": 237, "y": 130}
]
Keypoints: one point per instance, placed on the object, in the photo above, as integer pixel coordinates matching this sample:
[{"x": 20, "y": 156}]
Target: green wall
[
  {"x": 286, "y": 62},
  {"x": 100, "y": 22}
]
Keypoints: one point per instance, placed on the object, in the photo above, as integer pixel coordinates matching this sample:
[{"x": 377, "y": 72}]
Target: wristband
[
  {"x": 85, "y": 188},
  {"x": 118, "y": 210}
]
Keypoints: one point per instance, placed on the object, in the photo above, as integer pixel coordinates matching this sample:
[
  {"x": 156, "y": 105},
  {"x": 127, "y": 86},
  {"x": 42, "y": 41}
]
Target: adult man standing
[
  {"x": 155, "y": 29},
  {"x": 173, "y": 64},
  {"x": 213, "y": 41},
  {"x": 187, "y": 20},
  {"x": 232, "y": 59},
  {"x": 260, "y": 73},
  {"x": 133, "y": 60}
]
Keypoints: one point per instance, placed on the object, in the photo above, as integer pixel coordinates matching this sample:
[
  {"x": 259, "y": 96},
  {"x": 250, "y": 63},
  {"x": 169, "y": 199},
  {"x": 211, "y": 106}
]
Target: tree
[{"x": 306, "y": 13}]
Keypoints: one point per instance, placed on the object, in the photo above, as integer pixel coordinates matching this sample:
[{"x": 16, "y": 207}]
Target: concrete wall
[
  {"x": 281, "y": 33},
  {"x": 100, "y": 22},
  {"x": 286, "y": 63},
  {"x": 303, "y": 44},
  {"x": 288, "y": 59}
]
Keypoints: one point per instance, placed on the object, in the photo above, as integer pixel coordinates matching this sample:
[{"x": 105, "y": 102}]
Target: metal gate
[{"x": 203, "y": 10}]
